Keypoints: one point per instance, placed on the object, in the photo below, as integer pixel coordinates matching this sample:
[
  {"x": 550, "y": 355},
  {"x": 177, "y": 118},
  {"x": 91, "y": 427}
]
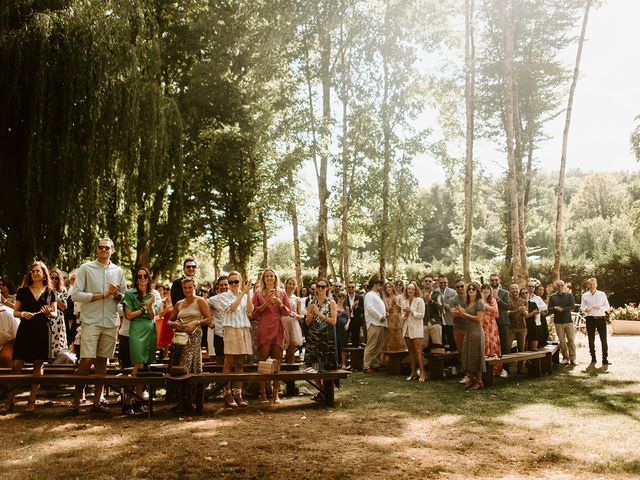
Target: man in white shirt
[
  {"x": 375, "y": 316},
  {"x": 595, "y": 306}
]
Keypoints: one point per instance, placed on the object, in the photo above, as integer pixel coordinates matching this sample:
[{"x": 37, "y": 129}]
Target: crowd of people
[{"x": 92, "y": 311}]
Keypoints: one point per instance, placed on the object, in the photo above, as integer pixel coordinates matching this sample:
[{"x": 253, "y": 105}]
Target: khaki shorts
[{"x": 97, "y": 341}]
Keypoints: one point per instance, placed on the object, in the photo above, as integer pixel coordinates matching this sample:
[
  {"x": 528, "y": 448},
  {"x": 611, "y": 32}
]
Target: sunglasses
[
  {"x": 142, "y": 276},
  {"x": 55, "y": 278},
  {"x": 459, "y": 286},
  {"x": 106, "y": 248},
  {"x": 234, "y": 282},
  {"x": 190, "y": 266},
  {"x": 471, "y": 289},
  {"x": 321, "y": 286},
  {"x": 351, "y": 286}
]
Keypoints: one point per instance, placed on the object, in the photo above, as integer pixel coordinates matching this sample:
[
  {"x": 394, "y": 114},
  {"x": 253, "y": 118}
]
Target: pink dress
[
  {"x": 491, "y": 335},
  {"x": 270, "y": 327}
]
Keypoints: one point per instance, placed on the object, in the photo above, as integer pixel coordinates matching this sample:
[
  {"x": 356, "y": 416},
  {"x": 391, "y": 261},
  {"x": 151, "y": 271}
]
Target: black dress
[{"x": 32, "y": 338}]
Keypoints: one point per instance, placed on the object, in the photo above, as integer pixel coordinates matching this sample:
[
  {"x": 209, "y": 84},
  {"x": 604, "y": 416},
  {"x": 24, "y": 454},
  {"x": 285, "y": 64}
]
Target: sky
[{"x": 606, "y": 102}]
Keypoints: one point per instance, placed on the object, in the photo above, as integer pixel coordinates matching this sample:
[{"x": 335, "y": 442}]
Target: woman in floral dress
[
  {"x": 490, "y": 326},
  {"x": 58, "y": 325}
]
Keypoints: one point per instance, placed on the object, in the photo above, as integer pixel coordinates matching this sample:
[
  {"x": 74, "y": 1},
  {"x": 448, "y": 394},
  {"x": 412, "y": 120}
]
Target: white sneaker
[
  {"x": 504, "y": 373},
  {"x": 145, "y": 396},
  {"x": 465, "y": 379},
  {"x": 564, "y": 361},
  {"x": 310, "y": 370},
  {"x": 454, "y": 371}
]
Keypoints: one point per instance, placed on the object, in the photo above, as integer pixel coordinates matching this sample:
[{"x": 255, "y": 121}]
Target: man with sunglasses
[
  {"x": 189, "y": 267},
  {"x": 100, "y": 286},
  {"x": 375, "y": 314},
  {"x": 503, "y": 300},
  {"x": 448, "y": 294},
  {"x": 355, "y": 302}
]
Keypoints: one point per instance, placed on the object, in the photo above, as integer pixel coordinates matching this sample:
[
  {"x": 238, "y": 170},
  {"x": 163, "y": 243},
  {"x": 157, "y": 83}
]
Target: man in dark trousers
[
  {"x": 502, "y": 298},
  {"x": 561, "y": 304},
  {"x": 355, "y": 302}
]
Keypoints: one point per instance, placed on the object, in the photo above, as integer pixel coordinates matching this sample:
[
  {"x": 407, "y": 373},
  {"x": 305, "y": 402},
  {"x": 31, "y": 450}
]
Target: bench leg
[
  {"x": 487, "y": 377},
  {"x": 290, "y": 388},
  {"x": 199, "y": 397},
  {"x": 329, "y": 392},
  {"x": 357, "y": 360},
  {"x": 535, "y": 367},
  {"x": 394, "y": 364},
  {"x": 152, "y": 393},
  {"x": 436, "y": 368},
  {"x": 547, "y": 364}
]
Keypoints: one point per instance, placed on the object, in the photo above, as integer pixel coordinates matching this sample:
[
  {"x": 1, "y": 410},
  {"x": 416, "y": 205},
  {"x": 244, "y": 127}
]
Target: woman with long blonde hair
[{"x": 270, "y": 304}]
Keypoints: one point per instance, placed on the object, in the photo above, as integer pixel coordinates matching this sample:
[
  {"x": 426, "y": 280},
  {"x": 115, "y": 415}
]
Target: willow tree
[{"x": 91, "y": 139}]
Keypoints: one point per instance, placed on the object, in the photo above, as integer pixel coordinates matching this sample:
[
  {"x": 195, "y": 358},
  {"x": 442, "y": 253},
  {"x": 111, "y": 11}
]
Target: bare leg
[
  {"x": 276, "y": 352},
  {"x": 291, "y": 353},
  {"x": 83, "y": 369},
  {"x": 238, "y": 367},
  {"x": 228, "y": 396},
  {"x": 101, "y": 368},
  {"x": 37, "y": 372},
  {"x": 417, "y": 349},
  {"x": 16, "y": 369},
  {"x": 263, "y": 354},
  {"x": 412, "y": 358}
]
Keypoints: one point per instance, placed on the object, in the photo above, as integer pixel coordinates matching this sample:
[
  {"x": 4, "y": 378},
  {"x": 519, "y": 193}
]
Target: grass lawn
[{"x": 573, "y": 424}]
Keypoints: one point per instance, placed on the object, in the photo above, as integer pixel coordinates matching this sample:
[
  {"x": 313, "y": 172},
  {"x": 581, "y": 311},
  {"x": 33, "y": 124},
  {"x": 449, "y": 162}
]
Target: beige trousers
[{"x": 375, "y": 340}]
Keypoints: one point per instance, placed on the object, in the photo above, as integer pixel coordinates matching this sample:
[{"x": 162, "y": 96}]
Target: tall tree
[
  {"x": 469, "y": 84},
  {"x": 563, "y": 159}
]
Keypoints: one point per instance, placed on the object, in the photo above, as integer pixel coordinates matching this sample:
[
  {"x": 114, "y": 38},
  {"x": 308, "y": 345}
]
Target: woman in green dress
[{"x": 139, "y": 310}]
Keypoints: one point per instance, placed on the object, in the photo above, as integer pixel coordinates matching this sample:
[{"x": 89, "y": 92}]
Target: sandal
[
  {"x": 229, "y": 402},
  {"x": 237, "y": 396}
]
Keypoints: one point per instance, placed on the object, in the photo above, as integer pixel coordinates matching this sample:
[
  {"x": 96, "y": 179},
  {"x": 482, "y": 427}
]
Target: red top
[{"x": 270, "y": 327}]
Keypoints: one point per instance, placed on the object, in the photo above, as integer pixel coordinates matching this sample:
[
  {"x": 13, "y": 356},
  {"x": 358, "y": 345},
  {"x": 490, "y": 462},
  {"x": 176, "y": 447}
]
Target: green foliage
[{"x": 92, "y": 145}]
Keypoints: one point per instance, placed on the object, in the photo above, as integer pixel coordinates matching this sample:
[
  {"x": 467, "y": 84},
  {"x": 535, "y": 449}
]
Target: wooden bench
[
  {"x": 540, "y": 361},
  {"x": 394, "y": 360},
  {"x": 356, "y": 357},
  {"x": 322, "y": 381},
  {"x": 116, "y": 381},
  {"x": 436, "y": 363}
]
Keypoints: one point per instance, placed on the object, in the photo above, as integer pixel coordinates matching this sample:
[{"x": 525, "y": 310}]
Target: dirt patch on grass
[{"x": 573, "y": 423}]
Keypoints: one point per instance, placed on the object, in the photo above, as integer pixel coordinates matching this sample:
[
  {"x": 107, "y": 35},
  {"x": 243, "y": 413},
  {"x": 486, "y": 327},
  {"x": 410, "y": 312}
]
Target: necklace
[{"x": 36, "y": 293}]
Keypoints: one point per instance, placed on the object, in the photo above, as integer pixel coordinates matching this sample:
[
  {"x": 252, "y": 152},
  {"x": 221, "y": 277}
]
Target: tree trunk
[
  {"x": 265, "y": 240},
  {"x": 386, "y": 168},
  {"x": 469, "y": 84},
  {"x": 508, "y": 41},
  {"x": 563, "y": 159},
  {"x": 323, "y": 192},
  {"x": 344, "y": 203},
  {"x": 293, "y": 212},
  {"x": 518, "y": 158}
]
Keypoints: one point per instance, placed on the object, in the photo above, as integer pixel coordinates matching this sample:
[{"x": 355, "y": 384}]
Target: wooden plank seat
[
  {"x": 322, "y": 381},
  {"x": 540, "y": 361},
  {"x": 356, "y": 357},
  {"x": 394, "y": 360},
  {"x": 115, "y": 381},
  {"x": 436, "y": 363}
]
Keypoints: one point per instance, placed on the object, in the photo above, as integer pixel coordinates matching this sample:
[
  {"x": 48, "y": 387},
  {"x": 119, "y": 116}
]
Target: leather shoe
[{"x": 369, "y": 371}]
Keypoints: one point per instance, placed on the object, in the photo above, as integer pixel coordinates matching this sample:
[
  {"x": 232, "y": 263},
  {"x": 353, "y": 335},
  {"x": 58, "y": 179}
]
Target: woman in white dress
[
  {"x": 412, "y": 331},
  {"x": 292, "y": 330}
]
